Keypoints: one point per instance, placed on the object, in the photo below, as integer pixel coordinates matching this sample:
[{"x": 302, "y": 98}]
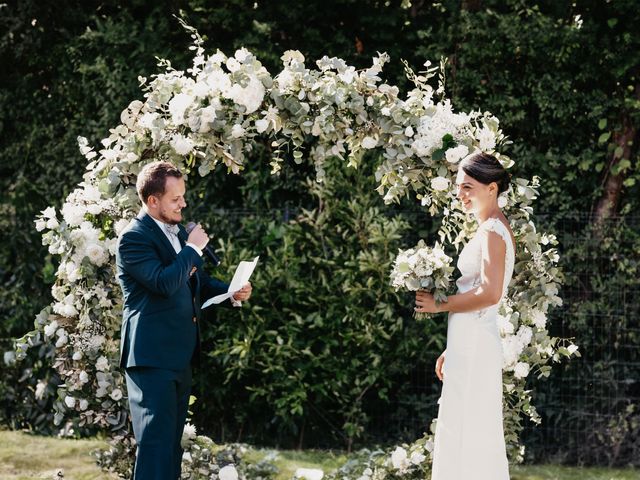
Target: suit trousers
[{"x": 158, "y": 401}]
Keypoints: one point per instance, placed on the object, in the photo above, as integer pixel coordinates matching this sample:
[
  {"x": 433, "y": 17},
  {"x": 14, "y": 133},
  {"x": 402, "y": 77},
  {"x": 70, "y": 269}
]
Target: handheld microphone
[{"x": 208, "y": 251}]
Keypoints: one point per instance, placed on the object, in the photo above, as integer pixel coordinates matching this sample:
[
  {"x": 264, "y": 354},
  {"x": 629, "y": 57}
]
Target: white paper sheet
[{"x": 240, "y": 279}]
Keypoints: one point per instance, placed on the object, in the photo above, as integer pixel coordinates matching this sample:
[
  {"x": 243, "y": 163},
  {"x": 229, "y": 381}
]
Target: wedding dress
[{"x": 469, "y": 438}]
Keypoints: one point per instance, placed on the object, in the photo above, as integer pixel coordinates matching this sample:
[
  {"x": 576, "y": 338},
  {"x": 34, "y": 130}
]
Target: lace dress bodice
[{"x": 470, "y": 259}]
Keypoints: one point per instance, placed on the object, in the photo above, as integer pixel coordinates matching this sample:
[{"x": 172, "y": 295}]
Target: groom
[{"x": 163, "y": 284}]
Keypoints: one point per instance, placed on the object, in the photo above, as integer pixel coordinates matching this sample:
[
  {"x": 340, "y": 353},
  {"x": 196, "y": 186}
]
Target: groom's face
[{"x": 168, "y": 207}]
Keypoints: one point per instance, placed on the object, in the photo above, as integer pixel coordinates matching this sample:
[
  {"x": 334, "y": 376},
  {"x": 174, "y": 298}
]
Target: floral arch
[{"x": 210, "y": 114}]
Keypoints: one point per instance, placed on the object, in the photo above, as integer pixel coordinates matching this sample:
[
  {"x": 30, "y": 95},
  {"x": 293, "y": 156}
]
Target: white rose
[
  {"x": 181, "y": 144},
  {"x": 237, "y": 131},
  {"x": 369, "y": 142},
  {"x": 116, "y": 394},
  {"x": 228, "y": 472},
  {"x": 96, "y": 254},
  {"x": 102, "y": 363},
  {"x": 440, "y": 183},
  {"x": 69, "y": 401},
  {"x": 521, "y": 370},
  {"x": 399, "y": 459},
  {"x": 454, "y": 155},
  {"x": 502, "y": 201}
]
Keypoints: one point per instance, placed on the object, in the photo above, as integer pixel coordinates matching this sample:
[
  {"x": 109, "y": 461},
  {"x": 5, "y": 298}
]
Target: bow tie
[{"x": 172, "y": 229}]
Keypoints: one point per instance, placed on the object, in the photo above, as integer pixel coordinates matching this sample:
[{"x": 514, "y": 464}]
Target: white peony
[
  {"x": 440, "y": 183},
  {"x": 521, "y": 370},
  {"x": 228, "y": 472}
]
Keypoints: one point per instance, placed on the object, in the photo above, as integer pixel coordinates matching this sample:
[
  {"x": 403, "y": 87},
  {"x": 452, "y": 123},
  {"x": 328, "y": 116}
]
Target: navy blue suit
[{"x": 162, "y": 292}]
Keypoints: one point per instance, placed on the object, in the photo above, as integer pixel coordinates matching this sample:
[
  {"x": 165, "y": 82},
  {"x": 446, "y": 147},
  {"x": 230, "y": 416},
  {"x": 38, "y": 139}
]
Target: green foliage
[{"x": 323, "y": 332}]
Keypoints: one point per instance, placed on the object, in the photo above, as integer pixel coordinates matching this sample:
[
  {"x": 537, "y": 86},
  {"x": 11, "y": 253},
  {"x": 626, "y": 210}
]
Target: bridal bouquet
[{"x": 423, "y": 268}]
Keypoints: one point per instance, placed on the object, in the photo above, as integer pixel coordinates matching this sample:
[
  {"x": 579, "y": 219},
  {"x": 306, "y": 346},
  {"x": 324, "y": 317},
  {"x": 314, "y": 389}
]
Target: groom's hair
[
  {"x": 486, "y": 169},
  {"x": 153, "y": 178}
]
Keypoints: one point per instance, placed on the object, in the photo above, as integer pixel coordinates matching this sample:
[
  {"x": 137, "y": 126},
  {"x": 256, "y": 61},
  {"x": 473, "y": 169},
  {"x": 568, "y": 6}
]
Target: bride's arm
[{"x": 488, "y": 293}]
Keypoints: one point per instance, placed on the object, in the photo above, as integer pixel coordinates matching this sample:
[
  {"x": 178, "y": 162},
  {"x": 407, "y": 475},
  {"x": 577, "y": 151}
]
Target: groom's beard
[{"x": 168, "y": 220}]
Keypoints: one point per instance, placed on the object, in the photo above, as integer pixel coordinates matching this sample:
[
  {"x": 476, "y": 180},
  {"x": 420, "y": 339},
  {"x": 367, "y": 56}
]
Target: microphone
[{"x": 208, "y": 251}]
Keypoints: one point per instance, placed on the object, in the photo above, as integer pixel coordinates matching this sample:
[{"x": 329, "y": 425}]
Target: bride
[{"x": 469, "y": 439}]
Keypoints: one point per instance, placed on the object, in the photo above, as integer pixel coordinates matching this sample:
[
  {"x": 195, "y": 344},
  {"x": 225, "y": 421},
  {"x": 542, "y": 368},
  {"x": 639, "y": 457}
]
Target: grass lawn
[{"x": 28, "y": 457}]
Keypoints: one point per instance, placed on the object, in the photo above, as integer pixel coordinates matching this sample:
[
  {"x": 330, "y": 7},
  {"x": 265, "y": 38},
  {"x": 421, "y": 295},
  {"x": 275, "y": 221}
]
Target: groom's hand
[
  {"x": 198, "y": 237},
  {"x": 243, "y": 294}
]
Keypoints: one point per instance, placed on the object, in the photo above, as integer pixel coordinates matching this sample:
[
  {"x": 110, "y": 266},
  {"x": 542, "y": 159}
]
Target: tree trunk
[{"x": 625, "y": 140}]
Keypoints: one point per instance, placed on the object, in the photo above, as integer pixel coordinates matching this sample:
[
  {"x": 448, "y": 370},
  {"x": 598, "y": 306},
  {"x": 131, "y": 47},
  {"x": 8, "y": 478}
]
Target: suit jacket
[{"x": 161, "y": 295}]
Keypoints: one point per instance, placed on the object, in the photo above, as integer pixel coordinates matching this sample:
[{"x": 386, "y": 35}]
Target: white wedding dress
[{"x": 469, "y": 438}]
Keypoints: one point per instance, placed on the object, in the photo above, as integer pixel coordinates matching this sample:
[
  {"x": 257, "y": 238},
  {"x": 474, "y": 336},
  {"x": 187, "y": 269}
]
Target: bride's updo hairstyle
[{"x": 485, "y": 169}]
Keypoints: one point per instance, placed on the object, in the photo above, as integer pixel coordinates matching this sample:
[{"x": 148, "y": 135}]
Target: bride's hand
[
  {"x": 439, "y": 365},
  {"x": 425, "y": 303}
]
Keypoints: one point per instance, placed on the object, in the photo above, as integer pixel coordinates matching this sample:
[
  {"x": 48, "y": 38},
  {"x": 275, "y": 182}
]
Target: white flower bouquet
[{"x": 423, "y": 268}]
